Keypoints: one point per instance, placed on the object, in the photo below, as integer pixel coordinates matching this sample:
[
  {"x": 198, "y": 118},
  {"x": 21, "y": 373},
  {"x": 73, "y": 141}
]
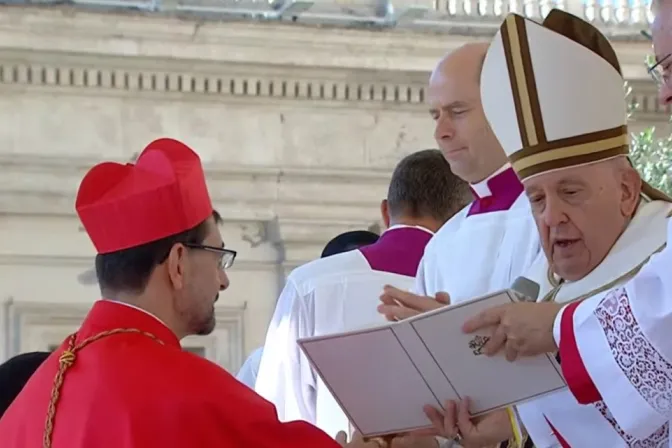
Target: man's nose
[
  {"x": 223, "y": 280},
  {"x": 553, "y": 214},
  {"x": 665, "y": 93},
  {"x": 444, "y": 129}
]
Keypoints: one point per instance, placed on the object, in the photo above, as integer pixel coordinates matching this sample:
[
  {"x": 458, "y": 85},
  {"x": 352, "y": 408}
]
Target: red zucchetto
[{"x": 164, "y": 193}]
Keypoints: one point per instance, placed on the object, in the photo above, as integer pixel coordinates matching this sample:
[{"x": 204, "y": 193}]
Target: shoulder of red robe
[
  {"x": 126, "y": 205},
  {"x": 553, "y": 94}
]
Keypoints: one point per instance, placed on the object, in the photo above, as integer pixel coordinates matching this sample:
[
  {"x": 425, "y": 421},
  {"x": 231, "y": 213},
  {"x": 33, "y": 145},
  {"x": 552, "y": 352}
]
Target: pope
[{"x": 122, "y": 380}]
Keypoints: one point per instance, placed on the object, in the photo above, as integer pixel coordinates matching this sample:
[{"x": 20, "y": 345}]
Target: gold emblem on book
[{"x": 476, "y": 344}]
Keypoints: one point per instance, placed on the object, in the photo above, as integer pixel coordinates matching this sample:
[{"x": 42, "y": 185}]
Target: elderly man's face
[{"x": 581, "y": 212}]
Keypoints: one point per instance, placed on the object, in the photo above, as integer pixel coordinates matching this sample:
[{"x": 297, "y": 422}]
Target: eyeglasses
[
  {"x": 659, "y": 74},
  {"x": 226, "y": 256}
]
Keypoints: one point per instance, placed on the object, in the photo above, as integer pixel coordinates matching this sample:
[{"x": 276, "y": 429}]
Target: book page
[
  {"x": 373, "y": 379},
  {"x": 491, "y": 382}
]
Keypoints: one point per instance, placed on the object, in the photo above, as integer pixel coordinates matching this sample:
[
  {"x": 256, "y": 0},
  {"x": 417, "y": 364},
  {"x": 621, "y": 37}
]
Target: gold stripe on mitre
[{"x": 572, "y": 151}]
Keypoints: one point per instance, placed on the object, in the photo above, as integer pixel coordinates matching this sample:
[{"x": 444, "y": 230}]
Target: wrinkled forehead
[{"x": 592, "y": 173}]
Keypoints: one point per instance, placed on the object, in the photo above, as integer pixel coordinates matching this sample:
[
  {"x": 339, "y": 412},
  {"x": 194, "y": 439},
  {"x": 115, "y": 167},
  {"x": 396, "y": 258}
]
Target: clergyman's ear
[
  {"x": 385, "y": 213},
  {"x": 176, "y": 265}
]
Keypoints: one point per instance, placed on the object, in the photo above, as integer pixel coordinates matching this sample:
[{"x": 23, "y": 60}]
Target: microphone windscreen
[{"x": 527, "y": 288}]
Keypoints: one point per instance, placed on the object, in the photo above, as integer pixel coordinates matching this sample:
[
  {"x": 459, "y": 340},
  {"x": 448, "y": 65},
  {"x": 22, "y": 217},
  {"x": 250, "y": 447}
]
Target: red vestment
[{"x": 132, "y": 390}]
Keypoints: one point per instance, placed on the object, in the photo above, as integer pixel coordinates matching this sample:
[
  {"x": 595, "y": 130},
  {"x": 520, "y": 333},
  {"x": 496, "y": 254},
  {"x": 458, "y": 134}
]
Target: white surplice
[
  {"x": 250, "y": 369},
  {"x": 328, "y": 295},
  {"x": 474, "y": 254},
  {"x": 618, "y": 348},
  {"x": 558, "y": 419}
]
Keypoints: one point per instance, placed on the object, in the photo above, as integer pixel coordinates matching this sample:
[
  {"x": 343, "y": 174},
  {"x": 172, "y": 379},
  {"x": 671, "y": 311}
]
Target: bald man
[{"x": 492, "y": 240}]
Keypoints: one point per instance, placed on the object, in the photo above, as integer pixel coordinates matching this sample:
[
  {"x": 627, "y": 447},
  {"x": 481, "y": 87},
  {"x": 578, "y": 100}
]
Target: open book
[{"x": 383, "y": 376}]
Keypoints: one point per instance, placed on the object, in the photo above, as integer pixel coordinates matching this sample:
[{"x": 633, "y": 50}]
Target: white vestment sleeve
[
  {"x": 618, "y": 348},
  {"x": 420, "y": 286},
  {"x": 285, "y": 377},
  {"x": 248, "y": 371}
]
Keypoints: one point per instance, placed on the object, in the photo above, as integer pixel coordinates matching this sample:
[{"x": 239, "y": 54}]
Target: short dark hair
[
  {"x": 423, "y": 185},
  {"x": 348, "y": 241},
  {"x": 129, "y": 270}
]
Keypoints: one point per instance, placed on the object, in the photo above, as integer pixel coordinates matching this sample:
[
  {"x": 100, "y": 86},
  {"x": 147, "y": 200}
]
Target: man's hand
[
  {"x": 456, "y": 422},
  {"x": 521, "y": 329},
  {"x": 399, "y": 305}
]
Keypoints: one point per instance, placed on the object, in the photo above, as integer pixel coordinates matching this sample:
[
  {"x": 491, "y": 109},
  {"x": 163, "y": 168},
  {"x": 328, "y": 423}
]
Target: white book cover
[{"x": 383, "y": 376}]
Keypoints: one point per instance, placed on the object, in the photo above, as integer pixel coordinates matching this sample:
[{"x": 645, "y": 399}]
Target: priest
[
  {"x": 562, "y": 123},
  {"x": 493, "y": 239},
  {"x": 495, "y": 231},
  {"x": 339, "y": 292},
  {"x": 122, "y": 380}
]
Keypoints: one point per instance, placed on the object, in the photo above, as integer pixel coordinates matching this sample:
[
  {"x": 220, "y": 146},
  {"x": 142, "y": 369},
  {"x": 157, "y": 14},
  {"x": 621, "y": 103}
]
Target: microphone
[{"x": 526, "y": 289}]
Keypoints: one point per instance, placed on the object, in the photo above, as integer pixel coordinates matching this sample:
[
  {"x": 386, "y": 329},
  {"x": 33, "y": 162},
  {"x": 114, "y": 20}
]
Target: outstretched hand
[{"x": 398, "y": 304}]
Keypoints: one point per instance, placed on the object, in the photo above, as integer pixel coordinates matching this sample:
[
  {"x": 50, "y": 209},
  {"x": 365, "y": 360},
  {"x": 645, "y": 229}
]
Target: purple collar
[
  {"x": 496, "y": 194},
  {"x": 398, "y": 250}
]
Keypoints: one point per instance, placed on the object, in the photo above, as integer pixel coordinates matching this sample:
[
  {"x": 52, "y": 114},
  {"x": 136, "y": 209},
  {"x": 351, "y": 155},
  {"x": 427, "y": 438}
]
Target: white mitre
[{"x": 553, "y": 95}]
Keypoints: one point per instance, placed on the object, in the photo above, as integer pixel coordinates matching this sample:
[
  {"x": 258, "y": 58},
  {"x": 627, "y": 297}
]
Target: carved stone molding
[
  {"x": 39, "y": 326},
  {"x": 96, "y": 80},
  {"x": 364, "y": 87}
]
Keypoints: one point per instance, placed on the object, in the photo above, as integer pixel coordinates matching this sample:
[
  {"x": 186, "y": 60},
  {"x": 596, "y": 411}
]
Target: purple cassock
[{"x": 398, "y": 250}]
